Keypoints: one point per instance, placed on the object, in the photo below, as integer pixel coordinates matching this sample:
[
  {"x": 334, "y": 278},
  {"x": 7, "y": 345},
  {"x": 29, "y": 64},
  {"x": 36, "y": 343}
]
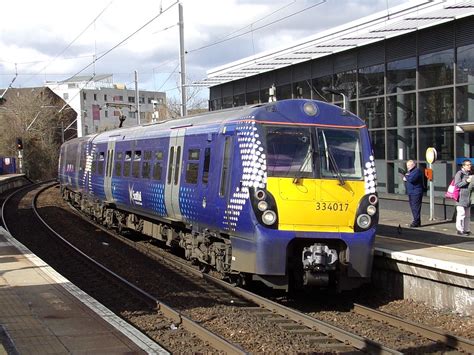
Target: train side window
[
  {"x": 192, "y": 168},
  {"x": 170, "y": 164},
  {"x": 147, "y": 154},
  {"x": 225, "y": 167},
  {"x": 157, "y": 170},
  {"x": 118, "y": 168},
  {"x": 159, "y": 155},
  {"x": 177, "y": 170},
  {"x": 118, "y": 163},
  {"x": 207, "y": 162},
  {"x": 127, "y": 163},
  {"x": 146, "y": 170},
  {"x": 100, "y": 163},
  {"x": 192, "y": 173},
  {"x": 136, "y": 164},
  {"x": 193, "y": 154}
]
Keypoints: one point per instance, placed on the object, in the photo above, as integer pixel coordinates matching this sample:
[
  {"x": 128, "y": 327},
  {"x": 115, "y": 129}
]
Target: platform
[
  {"x": 430, "y": 263},
  {"x": 43, "y": 313},
  {"x": 10, "y": 181}
]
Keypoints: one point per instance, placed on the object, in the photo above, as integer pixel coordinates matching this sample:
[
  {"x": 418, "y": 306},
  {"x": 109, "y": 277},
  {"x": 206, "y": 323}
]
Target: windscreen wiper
[
  {"x": 307, "y": 160},
  {"x": 335, "y": 166}
]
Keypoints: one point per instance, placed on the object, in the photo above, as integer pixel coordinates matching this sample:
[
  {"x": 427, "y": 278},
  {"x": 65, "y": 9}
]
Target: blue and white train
[{"x": 283, "y": 193}]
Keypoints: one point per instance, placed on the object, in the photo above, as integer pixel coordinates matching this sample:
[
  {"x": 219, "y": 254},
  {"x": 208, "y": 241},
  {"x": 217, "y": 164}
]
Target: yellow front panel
[{"x": 315, "y": 204}]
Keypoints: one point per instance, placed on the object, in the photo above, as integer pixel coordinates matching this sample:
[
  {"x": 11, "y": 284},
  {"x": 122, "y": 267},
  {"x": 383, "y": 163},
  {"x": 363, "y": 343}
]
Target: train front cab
[{"x": 321, "y": 185}]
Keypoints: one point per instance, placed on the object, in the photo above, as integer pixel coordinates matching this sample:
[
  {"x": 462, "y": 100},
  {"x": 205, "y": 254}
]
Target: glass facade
[{"x": 420, "y": 96}]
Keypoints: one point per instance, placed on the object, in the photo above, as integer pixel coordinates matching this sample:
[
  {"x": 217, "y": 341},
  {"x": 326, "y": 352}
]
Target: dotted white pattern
[
  {"x": 254, "y": 170},
  {"x": 188, "y": 203},
  {"x": 370, "y": 176}
]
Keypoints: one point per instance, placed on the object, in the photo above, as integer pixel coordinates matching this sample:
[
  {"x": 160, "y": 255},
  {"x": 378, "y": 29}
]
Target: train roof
[{"x": 279, "y": 112}]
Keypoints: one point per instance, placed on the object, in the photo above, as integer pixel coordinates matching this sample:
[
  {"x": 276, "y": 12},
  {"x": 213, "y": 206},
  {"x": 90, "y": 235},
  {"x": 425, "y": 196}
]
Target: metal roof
[{"x": 396, "y": 21}]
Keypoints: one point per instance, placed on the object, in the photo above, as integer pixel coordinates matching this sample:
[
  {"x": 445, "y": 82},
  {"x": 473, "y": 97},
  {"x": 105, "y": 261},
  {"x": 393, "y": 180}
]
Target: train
[
  {"x": 283, "y": 192},
  {"x": 7, "y": 165}
]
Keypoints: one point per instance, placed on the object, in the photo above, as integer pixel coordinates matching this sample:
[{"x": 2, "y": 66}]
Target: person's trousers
[
  {"x": 415, "y": 205},
  {"x": 463, "y": 219}
]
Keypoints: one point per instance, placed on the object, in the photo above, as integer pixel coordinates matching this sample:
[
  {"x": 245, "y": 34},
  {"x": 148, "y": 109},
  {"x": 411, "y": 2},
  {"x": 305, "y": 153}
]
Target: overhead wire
[
  {"x": 72, "y": 42},
  {"x": 255, "y": 29}
]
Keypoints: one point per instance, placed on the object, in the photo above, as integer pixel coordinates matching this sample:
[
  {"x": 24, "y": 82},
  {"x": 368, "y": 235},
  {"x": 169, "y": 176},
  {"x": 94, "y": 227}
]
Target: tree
[
  {"x": 33, "y": 115},
  {"x": 195, "y": 103}
]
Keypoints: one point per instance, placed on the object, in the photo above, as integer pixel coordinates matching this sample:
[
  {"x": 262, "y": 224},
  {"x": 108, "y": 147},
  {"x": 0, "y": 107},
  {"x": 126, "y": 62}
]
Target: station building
[{"x": 408, "y": 72}]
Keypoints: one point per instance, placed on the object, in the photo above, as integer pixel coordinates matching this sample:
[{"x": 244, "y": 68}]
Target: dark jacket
[
  {"x": 464, "y": 191},
  {"x": 414, "y": 183}
]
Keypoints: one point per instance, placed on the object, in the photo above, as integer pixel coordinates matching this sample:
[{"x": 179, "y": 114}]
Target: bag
[
  {"x": 424, "y": 180},
  {"x": 453, "y": 191}
]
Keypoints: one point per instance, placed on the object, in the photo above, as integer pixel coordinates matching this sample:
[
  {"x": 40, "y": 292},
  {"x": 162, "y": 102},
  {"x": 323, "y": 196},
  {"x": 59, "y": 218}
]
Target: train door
[
  {"x": 173, "y": 173},
  {"x": 108, "y": 170},
  {"x": 224, "y": 180}
]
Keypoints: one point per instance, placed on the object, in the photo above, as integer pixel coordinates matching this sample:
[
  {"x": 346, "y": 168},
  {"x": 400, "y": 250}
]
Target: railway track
[
  {"x": 118, "y": 290},
  {"x": 321, "y": 336}
]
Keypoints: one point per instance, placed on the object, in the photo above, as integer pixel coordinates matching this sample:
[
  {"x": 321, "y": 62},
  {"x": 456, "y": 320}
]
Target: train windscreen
[{"x": 313, "y": 152}]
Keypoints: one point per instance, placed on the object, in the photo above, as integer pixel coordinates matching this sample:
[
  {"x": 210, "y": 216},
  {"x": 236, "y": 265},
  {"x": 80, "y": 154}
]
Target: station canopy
[{"x": 396, "y": 21}]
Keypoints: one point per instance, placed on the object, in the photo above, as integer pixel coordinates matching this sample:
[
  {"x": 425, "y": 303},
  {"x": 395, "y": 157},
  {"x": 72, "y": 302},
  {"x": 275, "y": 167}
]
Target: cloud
[{"x": 37, "y": 31}]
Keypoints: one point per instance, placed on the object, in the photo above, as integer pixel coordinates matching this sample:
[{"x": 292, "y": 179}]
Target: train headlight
[
  {"x": 364, "y": 221},
  {"x": 269, "y": 217},
  {"x": 262, "y": 205},
  {"x": 310, "y": 109},
  {"x": 371, "y": 210}
]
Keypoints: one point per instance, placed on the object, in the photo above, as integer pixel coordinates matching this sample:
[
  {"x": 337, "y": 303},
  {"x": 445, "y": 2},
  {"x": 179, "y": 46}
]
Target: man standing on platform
[{"x": 414, "y": 187}]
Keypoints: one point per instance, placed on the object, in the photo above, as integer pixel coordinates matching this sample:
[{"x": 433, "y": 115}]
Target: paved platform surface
[
  {"x": 43, "y": 313},
  {"x": 434, "y": 244}
]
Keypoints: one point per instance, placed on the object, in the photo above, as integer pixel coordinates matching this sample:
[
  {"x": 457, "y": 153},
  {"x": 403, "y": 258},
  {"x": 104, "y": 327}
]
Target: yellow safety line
[{"x": 427, "y": 244}]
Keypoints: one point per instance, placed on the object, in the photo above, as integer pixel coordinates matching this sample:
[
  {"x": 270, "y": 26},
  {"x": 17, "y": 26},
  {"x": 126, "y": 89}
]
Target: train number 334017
[{"x": 332, "y": 206}]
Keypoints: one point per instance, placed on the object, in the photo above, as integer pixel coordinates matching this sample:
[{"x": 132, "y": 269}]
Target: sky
[{"x": 52, "y": 40}]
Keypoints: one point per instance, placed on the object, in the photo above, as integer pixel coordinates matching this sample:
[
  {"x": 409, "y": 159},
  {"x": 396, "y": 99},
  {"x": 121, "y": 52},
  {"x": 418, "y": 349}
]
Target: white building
[{"x": 99, "y": 103}]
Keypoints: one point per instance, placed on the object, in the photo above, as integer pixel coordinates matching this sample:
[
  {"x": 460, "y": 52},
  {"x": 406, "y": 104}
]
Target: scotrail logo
[{"x": 135, "y": 196}]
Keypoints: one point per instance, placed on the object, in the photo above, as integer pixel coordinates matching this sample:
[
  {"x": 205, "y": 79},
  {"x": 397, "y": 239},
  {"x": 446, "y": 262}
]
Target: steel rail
[
  {"x": 176, "y": 317},
  {"x": 450, "y": 340},
  {"x": 341, "y": 335}
]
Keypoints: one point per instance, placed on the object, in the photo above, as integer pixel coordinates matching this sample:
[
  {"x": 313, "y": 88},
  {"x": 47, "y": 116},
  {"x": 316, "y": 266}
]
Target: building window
[
  {"x": 132, "y": 114},
  {"x": 346, "y": 82},
  {"x": 131, "y": 99},
  {"x": 441, "y": 138},
  {"x": 401, "y": 75},
  {"x": 317, "y": 86},
  {"x": 401, "y": 110},
  {"x": 372, "y": 111},
  {"x": 106, "y": 113},
  {"x": 378, "y": 142},
  {"x": 401, "y": 144},
  {"x": 251, "y": 98},
  {"x": 436, "y": 69},
  {"x": 371, "y": 81},
  {"x": 301, "y": 90},
  {"x": 105, "y": 97},
  {"x": 465, "y": 103},
  {"x": 95, "y": 97},
  {"x": 84, "y": 96},
  {"x": 283, "y": 92},
  {"x": 228, "y": 101},
  {"x": 436, "y": 106},
  {"x": 150, "y": 99},
  {"x": 465, "y": 64},
  {"x": 239, "y": 100},
  {"x": 141, "y": 100}
]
